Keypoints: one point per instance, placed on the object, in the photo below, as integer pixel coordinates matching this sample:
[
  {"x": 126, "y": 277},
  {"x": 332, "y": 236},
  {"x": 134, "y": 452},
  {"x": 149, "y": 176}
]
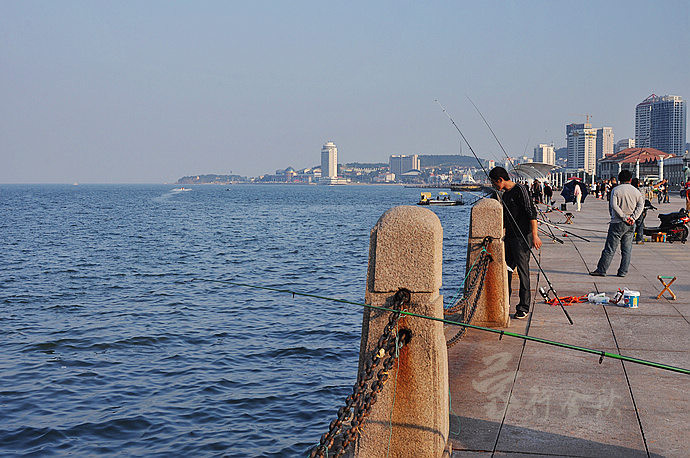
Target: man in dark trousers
[
  {"x": 520, "y": 222},
  {"x": 625, "y": 206}
]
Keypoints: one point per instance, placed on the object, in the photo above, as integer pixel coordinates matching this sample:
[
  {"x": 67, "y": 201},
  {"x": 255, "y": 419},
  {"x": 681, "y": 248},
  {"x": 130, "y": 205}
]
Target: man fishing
[
  {"x": 625, "y": 206},
  {"x": 520, "y": 221}
]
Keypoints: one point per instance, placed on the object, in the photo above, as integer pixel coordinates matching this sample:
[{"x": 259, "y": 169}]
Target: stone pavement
[{"x": 511, "y": 398}]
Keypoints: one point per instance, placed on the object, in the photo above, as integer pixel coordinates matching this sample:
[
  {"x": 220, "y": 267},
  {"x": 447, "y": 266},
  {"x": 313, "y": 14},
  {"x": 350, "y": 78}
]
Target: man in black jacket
[{"x": 520, "y": 222}]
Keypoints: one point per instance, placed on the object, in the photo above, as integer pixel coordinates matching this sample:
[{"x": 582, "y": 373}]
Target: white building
[
  {"x": 604, "y": 142},
  {"x": 581, "y": 144},
  {"x": 545, "y": 153},
  {"x": 624, "y": 144},
  {"x": 329, "y": 165},
  {"x": 401, "y": 163}
]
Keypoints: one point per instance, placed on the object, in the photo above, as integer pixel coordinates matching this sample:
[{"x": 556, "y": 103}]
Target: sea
[{"x": 118, "y": 336}]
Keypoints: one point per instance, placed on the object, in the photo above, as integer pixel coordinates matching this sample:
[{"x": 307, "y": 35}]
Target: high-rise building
[
  {"x": 587, "y": 145},
  {"x": 545, "y": 153},
  {"x": 401, "y": 163},
  {"x": 581, "y": 143},
  {"x": 329, "y": 165},
  {"x": 660, "y": 122},
  {"x": 604, "y": 142},
  {"x": 624, "y": 144},
  {"x": 329, "y": 160}
]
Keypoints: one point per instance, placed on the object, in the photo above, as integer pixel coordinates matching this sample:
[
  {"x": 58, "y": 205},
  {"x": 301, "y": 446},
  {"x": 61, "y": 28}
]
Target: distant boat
[
  {"x": 443, "y": 199},
  {"x": 75, "y": 184},
  {"x": 181, "y": 189}
]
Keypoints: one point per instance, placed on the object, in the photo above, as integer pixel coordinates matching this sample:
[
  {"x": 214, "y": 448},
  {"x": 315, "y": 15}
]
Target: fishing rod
[
  {"x": 551, "y": 235},
  {"x": 549, "y": 223},
  {"x": 567, "y": 315},
  {"x": 601, "y": 354},
  {"x": 514, "y": 170},
  {"x": 505, "y": 153}
]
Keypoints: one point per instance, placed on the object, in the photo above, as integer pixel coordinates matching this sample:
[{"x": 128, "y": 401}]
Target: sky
[{"x": 150, "y": 91}]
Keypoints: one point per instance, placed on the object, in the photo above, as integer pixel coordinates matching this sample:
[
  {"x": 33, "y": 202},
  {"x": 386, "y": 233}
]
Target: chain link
[
  {"x": 473, "y": 291},
  {"x": 358, "y": 405}
]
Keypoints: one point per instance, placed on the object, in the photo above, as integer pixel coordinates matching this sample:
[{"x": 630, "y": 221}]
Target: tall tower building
[
  {"x": 581, "y": 143},
  {"x": 329, "y": 161},
  {"x": 604, "y": 142},
  {"x": 643, "y": 122},
  {"x": 660, "y": 122},
  {"x": 545, "y": 153}
]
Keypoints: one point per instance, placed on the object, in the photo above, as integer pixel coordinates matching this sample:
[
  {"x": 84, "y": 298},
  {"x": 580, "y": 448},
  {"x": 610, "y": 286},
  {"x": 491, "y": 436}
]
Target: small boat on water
[
  {"x": 181, "y": 189},
  {"x": 443, "y": 199}
]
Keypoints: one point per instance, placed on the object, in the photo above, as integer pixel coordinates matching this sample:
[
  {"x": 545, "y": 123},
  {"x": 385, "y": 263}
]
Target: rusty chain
[
  {"x": 473, "y": 290},
  {"x": 358, "y": 404}
]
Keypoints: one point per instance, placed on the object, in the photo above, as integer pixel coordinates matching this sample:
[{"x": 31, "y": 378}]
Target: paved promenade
[{"x": 511, "y": 398}]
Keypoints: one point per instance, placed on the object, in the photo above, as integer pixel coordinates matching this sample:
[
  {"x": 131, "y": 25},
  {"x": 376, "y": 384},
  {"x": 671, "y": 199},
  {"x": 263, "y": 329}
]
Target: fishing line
[
  {"x": 601, "y": 354},
  {"x": 548, "y": 281},
  {"x": 567, "y": 315},
  {"x": 549, "y": 223}
]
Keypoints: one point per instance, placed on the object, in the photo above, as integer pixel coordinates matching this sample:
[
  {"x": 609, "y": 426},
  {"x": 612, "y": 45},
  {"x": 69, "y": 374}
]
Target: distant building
[
  {"x": 642, "y": 162},
  {"x": 604, "y": 142},
  {"x": 624, "y": 144},
  {"x": 329, "y": 160},
  {"x": 586, "y": 145},
  {"x": 545, "y": 153},
  {"x": 581, "y": 144},
  {"x": 400, "y": 163},
  {"x": 660, "y": 123},
  {"x": 329, "y": 165}
]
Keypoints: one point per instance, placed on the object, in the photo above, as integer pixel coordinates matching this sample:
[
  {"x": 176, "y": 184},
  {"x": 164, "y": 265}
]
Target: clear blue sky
[{"x": 148, "y": 91}]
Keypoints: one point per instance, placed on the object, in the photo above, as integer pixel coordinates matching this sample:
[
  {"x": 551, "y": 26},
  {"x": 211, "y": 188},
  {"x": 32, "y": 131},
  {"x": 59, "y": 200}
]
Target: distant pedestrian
[
  {"x": 577, "y": 191},
  {"x": 639, "y": 222},
  {"x": 537, "y": 192},
  {"x": 520, "y": 222},
  {"x": 612, "y": 184},
  {"x": 548, "y": 193},
  {"x": 625, "y": 206},
  {"x": 660, "y": 192},
  {"x": 687, "y": 196},
  {"x": 666, "y": 189}
]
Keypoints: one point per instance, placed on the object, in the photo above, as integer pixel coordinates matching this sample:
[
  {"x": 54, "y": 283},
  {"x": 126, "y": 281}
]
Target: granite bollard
[
  {"x": 493, "y": 307},
  {"x": 411, "y": 416}
]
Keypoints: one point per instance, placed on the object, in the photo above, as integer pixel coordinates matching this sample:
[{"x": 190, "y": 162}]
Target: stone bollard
[
  {"x": 494, "y": 303},
  {"x": 411, "y": 416}
]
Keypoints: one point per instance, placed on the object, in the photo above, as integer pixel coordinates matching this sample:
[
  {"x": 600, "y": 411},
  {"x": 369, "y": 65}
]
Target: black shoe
[
  {"x": 520, "y": 314},
  {"x": 594, "y": 273},
  {"x": 621, "y": 275}
]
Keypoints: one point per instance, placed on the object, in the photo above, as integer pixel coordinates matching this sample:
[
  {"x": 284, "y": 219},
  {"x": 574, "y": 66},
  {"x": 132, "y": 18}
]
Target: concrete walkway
[{"x": 511, "y": 398}]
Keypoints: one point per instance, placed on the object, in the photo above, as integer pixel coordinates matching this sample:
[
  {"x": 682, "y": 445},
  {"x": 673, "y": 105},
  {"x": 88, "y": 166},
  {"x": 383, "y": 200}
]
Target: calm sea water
[{"x": 111, "y": 345}]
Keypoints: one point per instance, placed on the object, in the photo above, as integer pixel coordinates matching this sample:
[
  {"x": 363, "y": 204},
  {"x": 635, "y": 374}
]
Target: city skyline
[{"x": 150, "y": 92}]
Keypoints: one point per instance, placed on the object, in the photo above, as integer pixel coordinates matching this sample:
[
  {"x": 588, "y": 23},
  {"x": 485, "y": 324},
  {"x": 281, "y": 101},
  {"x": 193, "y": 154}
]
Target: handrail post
[
  {"x": 410, "y": 417},
  {"x": 493, "y": 306}
]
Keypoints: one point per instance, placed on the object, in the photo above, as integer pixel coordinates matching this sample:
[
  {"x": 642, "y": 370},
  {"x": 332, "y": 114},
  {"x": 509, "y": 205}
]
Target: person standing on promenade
[
  {"x": 625, "y": 206},
  {"x": 548, "y": 193},
  {"x": 687, "y": 196},
  {"x": 520, "y": 221},
  {"x": 577, "y": 192},
  {"x": 609, "y": 188},
  {"x": 639, "y": 222}
]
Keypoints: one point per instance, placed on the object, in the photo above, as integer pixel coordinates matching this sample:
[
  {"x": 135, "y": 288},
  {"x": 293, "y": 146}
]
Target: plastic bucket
[{"x": 631, "y": 299}]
